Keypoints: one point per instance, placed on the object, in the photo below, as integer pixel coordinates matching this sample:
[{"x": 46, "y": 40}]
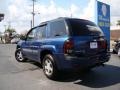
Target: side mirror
[{"x": 23, "y": 37}]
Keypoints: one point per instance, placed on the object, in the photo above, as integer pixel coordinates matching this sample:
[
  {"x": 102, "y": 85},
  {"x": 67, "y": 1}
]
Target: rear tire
[
  {"x": 19, "y": 56},
  {"x": 114, "y": 52},
  {"x": 119, "y": 52},
  {"x": 49, "y": 67}
]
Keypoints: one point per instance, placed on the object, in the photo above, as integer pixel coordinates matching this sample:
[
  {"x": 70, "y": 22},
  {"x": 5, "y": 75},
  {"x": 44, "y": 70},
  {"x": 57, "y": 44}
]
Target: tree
[
  {"x": 1, "y": 37},
  {"x": 118, "y": 22},
  {"x": 0, "y": 34},
  {"x": 9, "y": 34}
]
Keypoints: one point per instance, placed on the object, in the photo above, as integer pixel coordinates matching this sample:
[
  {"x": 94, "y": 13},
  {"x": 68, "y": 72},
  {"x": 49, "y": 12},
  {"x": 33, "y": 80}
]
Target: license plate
[{"x": 93, "y": 45}]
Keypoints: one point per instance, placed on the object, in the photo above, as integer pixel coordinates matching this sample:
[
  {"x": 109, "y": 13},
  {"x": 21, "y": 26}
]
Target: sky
[{"x": 18, "y": 12}]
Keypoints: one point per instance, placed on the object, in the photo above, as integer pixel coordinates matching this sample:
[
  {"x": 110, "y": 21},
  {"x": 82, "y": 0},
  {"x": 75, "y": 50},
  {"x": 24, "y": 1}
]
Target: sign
[
  {"x": 1, "y": 17},
  {"x": 103, "y": 19}
]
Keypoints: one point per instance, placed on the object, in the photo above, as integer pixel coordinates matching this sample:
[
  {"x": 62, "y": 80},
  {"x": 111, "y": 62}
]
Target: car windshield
[{"x": 81, "y": 27}]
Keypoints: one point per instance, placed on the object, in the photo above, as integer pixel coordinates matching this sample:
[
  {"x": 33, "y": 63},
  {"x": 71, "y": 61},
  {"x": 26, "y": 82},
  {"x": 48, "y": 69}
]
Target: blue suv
[{"x": 64, "y": 44}]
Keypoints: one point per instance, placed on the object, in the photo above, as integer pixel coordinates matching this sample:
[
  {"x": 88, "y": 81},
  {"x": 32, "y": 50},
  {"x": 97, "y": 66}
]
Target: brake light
[
  {"x": 68, "y": 46},
  {"x": 103, "y": 44}
]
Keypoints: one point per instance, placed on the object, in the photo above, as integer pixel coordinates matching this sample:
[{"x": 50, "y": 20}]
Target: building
[{"x": 115, "y": 33}]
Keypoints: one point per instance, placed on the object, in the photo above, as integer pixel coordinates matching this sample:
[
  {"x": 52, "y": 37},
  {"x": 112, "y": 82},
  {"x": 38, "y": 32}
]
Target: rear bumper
[{"x": 65, "y": 62}]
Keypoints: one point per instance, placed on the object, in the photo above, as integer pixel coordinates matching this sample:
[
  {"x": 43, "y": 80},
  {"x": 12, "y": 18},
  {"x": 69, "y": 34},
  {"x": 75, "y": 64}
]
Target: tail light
[
  {"x": 103, "y": 44},
  {"x": 68, "y": 46}
]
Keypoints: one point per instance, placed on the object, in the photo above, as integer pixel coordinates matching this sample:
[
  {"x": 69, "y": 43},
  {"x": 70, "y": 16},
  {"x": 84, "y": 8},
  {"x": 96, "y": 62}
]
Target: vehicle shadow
[
  {"x": 97, "y": 78},
  {"x": 34, "y": 63},
  {"x": 36, "y": 66}
]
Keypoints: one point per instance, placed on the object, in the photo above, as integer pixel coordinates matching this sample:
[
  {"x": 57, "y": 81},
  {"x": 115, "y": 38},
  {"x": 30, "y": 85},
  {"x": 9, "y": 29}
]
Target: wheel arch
[
  {"x": 18, "y": 47},
  {"x": 43, "y": 53}
]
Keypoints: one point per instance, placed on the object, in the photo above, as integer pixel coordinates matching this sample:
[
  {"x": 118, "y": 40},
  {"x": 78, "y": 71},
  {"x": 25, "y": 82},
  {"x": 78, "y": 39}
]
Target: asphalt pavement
[{"x": 29, "y": 75}]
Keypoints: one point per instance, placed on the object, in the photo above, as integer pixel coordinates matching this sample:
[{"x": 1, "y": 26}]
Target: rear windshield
[{"x": 83, "y": 27}]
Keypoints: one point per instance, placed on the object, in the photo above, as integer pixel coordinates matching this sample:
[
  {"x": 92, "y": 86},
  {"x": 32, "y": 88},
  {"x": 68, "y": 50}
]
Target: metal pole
[
  {"x": 33, "y": 13},
  {"x": 9, "y": 24},
  {"x": 71, "y": 9},
  {"x": 31, "y": 23},
  {"x": 71, "y": 14},
  {"x": 5, "y": 27}
]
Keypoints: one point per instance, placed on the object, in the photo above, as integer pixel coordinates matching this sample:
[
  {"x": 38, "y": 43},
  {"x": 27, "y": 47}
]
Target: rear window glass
[
  {"x": 84, "y": 27},
  {"x": 57, "y": 28}
]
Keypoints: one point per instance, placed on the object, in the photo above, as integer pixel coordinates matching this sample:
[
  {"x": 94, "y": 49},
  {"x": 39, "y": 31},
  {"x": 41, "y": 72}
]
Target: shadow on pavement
[{"x": 97, "y": 78}]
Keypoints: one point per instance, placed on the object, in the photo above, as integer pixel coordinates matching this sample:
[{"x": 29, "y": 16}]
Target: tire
[
  {"x": 49, "y": 67},
  {"x": 119, "y": 52},
  {"x": 19, "y": 57},
  {"x": 114, "y": 52}
]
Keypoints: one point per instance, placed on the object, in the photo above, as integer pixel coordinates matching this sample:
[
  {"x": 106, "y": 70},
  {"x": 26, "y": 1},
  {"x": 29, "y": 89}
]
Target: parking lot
[{"x": 29, "y": 75}]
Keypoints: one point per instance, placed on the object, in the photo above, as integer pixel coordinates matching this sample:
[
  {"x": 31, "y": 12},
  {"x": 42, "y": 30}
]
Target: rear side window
[
  {"x": 41, "y": 32},
  {"x": 57, "y": 28},
  {"x": 81, "y": 27}
]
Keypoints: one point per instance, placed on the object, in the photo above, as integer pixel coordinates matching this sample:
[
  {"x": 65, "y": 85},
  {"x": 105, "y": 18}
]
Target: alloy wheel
[{"x": 48, "y": 67}]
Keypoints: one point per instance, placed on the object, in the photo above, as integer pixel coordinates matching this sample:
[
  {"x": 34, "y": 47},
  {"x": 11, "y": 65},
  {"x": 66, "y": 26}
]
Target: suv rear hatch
[{"x": 88, "y": 39}]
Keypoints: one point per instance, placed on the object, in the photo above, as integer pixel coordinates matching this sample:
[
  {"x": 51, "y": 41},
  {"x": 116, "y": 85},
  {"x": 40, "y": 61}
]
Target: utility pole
[
  {"x": 9, "y": 24},
  {"x": 33, "y": 13},
  {"x": 71, "y": 14},
  {"x": 71, "y": 11},
  {"x": 30, "y": 23},
  {"x": 5, "y": 27}
]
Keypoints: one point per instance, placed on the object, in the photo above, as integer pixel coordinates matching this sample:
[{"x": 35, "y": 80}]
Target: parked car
[
  {"x": 15, "y": 40},
  {"x": 64, "y": 44},
  {"x": 116, "y": 48}
]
